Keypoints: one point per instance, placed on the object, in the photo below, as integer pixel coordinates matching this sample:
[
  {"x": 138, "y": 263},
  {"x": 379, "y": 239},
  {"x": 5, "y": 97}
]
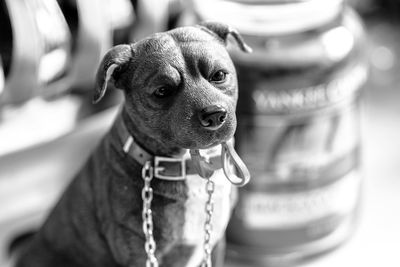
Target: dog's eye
[
  {"x": 218, "y": 77},
  {"x": 162, "y": 92}
]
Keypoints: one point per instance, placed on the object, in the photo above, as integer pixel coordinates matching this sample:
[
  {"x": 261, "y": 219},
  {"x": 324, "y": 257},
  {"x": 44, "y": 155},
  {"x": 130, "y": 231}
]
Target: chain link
[
  {"x": 147, "y": 216},
  {"x": 209, "y": 209}
]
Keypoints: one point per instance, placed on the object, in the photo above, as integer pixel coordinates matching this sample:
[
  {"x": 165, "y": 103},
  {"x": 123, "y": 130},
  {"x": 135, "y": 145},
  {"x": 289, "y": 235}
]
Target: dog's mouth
[
  {"x": 206, "y": 139},
  {"x": 215, "y": 143}
]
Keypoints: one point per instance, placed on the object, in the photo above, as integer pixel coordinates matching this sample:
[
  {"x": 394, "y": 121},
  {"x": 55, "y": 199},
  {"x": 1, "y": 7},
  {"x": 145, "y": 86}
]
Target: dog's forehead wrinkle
[
  {"x": 164, "y": 74},
  {"x": 169, "y": 75},
  {"x": 164, "y": 57},
  {"x": 206, "y": 58},
  {"x": 166, "y": 71}
]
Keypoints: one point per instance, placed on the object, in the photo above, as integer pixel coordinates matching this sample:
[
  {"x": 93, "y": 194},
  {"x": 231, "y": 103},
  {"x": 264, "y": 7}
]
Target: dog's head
[{"x": 180, "y": 86}]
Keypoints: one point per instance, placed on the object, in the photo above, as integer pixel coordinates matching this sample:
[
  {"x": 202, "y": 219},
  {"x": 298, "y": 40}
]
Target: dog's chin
[
  {"x": 201, "y": 146},
  {"x": 205, "y": 142},
  {"x": 212, "y": 144}
]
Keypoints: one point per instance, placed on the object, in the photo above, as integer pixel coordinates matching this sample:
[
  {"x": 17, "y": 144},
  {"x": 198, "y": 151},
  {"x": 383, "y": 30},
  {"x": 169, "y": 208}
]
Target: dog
[{"x": 180, "y": 90}]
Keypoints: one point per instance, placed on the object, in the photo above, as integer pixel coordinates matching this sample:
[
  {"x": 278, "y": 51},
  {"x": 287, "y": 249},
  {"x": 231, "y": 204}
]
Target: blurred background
[{"x": 319, "y": 101}]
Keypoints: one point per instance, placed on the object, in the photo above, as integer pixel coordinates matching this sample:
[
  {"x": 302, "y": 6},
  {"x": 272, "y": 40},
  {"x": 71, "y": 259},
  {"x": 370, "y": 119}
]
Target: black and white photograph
[{"x": 199, "y": 133}]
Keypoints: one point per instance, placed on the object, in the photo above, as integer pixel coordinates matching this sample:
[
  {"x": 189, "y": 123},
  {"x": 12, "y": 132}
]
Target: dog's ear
[
  {"x": 222, "y": 31},
  {"x": 113, "y": 63}
]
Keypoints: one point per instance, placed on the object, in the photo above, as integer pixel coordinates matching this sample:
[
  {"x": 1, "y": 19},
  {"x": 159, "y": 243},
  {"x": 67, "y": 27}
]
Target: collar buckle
[{"x": 159, "y": 169}]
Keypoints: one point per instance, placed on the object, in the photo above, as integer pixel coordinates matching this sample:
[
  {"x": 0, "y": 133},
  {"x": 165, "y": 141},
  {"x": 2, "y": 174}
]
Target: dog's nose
[{"x": 212, "y": 117}]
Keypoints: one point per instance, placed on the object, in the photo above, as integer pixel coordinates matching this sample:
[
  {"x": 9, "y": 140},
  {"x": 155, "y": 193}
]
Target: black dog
[{"x": 180, "y": 93}]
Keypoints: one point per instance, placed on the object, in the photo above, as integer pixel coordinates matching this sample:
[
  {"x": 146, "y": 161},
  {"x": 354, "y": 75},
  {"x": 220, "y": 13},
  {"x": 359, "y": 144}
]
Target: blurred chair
[{"x": 50, "y": 50}]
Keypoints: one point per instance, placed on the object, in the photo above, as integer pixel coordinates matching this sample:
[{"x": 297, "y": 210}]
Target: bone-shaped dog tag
[{"x": 229, "y": 153}]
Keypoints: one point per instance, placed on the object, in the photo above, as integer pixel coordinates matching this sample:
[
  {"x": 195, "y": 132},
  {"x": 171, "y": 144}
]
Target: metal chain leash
[
  {"x": 209, "y": 209},
  {"x": 147, "y": 216}
]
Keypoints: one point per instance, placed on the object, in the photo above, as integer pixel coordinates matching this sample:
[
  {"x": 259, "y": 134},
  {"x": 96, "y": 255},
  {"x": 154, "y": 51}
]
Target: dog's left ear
[
  {"x": 114, "y": 63},
  {"x": 223, "y": 30}
]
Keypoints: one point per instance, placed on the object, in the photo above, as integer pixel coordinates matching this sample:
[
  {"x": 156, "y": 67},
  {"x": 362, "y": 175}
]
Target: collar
[{"x": 165, "y": 168}]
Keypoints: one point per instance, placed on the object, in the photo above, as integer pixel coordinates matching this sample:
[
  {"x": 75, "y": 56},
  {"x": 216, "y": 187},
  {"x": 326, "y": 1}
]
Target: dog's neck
[{"x": 152, "y": 145}]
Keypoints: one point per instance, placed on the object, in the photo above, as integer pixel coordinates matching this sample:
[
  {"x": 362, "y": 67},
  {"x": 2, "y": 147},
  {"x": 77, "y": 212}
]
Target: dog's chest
[{"x": 195, "y": 213}]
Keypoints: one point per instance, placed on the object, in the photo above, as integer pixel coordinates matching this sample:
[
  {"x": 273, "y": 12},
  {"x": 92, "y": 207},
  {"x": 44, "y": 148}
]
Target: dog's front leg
[{"x": 218, "y": 253}]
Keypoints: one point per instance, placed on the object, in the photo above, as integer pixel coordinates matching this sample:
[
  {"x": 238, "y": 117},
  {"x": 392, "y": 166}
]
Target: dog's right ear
[
  {"x": 222, "y": 30},
  {"x": 114, "y": 62}
]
